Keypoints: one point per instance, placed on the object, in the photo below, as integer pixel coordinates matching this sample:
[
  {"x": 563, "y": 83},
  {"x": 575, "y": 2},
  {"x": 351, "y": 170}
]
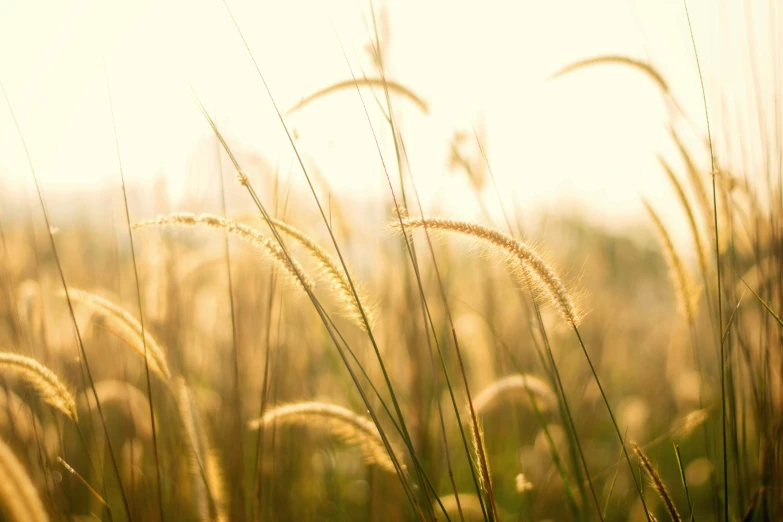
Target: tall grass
[{"x": 469, "y": 387}]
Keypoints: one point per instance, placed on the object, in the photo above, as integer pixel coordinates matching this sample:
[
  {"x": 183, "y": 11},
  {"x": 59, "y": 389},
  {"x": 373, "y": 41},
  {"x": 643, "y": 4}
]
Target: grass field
[{"x": 319, "y": 358}]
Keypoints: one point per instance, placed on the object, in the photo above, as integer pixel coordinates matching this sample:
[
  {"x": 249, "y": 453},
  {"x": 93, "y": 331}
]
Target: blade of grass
[
  {"x": 364, "y": 316},
  {"x": 717, "y": 263},
  {"x": 684, "y": 482},
  {"x": 159, "y": 489}
]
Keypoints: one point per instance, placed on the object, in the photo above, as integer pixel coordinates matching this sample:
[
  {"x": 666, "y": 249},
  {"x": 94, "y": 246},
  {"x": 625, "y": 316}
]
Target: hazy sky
[{"x": 588, "y": 139}]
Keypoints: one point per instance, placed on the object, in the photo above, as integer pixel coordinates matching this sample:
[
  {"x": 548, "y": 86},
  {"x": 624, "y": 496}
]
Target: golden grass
[
  {"x": 19, "y": 500},
  {"x": 204, "y": 467},
  {"x": 482, "y": 463},
  {"x": 46, "y": 384},
  {"x": 634, "y": 63},
  {"x": 520, "y": 257},
  {"x": 515, "y": 388},
  {"x": 683, "y": 286},
  {"x": 339, "y": 422},
  {"x": 244, "y": 232},
  {"x": 657, "y": 483},
  {"x": 336, "y": 276},
  {"x": 392, "y": 86},
  {"x": 698, "y": 242},
  {"x": 120, "y": 318}
]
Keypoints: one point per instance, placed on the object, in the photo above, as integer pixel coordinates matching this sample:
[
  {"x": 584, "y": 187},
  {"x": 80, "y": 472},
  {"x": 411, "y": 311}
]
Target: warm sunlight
[{"x": 391, "y": 260}]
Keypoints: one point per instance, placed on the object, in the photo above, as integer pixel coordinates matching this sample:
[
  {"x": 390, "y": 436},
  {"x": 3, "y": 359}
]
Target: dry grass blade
[
  {"x": 645, "y": 68},
  {"x": 519, "y": 255},
  {"x": 121, "y": 318},
  {"x": 657, "y": 483},
  {"x": 244, "y": 232},
  {"x": 336, "y": 276},
  {"x": 338, "y": 421},
  {"x": 19, "y": 501},
  {"x": 392, "y": 86},
  {"x": 517, "y": 388},
  {"x": 48, "y": 386},
  {"x": 683, "y": 286}
]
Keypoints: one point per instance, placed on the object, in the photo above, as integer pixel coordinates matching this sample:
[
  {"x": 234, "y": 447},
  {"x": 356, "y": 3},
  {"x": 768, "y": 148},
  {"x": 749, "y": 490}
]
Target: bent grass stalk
[
  {"x": 393, "y": 86},
  {"x": 331, "y": 331},
  {"x": 340, "y": 422},
  {"x": 353, "y": 303},
  {"x": 516, "y": 252},
  {"x": 534, "y": 267},
  {"x": 47, "y": 385},
  {"x": 244, "y": 232},
  {"x": 518, "y": 387},
  {"x": 639, "y": 65},
  {"x": 120, "y": 317}
]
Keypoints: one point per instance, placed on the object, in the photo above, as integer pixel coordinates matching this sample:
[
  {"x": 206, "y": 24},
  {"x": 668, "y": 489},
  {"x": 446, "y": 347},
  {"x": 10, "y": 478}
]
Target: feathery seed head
[
  {"x": 242, "y": 178},
  {"x": 340, "y": 422},
  {"x": 519, "y": 256},
  {"x": 289, "y": 265},
  {"x": 48, "y": 386},
  {"x": 657, "y": 483}
]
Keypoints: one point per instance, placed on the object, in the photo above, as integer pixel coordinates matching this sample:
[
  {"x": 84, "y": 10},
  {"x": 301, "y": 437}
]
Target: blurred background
[{"x": 585, "y": 142}]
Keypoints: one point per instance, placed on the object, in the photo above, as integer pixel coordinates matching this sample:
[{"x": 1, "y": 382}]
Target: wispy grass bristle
[
  {"x": 338, "y": 278},
  {"x": 118, "y": 317},
  {"x": 515, "y": 388},
  {"x": 635, "y": 63},
  {"x": 383, "y": 83},
  {"x": 657, "y": 483},
  {"x": 482, "y": 463},
  {"x": 340, "y": 422},
  {"x": 244, "y": 232},
  {"x": 47, "y": 385},
  {"x": 519, "y": 255}
]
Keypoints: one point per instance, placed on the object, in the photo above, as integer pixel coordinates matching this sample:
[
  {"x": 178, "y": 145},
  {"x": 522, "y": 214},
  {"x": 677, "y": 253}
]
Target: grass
[{"x": 294, "y": 374}]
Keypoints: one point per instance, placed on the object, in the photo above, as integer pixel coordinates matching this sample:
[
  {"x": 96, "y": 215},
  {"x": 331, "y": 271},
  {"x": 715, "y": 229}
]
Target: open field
[{"x": 264, "y": 349}]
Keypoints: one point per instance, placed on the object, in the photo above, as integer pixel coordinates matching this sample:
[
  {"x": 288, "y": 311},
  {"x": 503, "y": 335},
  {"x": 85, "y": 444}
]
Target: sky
[{"x": 588, "y": 140}]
